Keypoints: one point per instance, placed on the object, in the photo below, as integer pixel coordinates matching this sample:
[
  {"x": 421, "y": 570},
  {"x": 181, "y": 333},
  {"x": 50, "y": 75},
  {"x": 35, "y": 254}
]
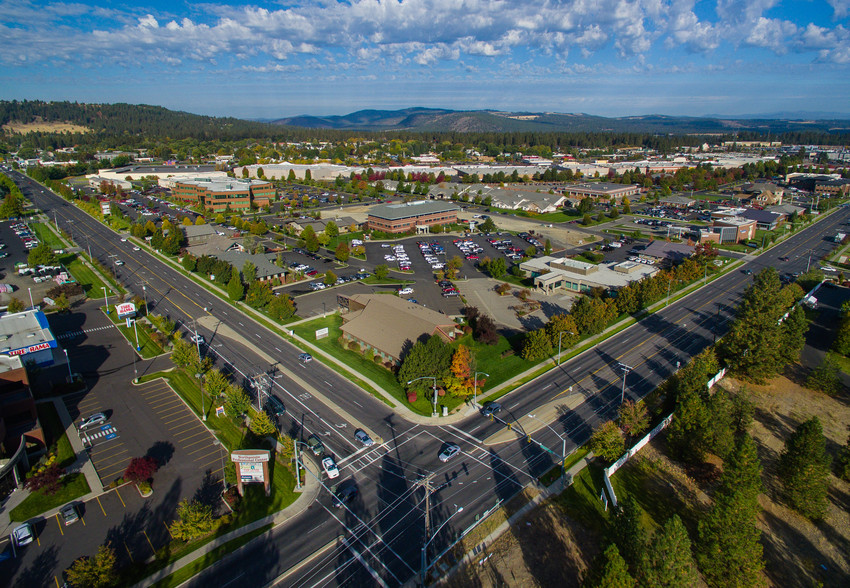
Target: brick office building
[
  {"x": 218, "y": 194},
  {"x": 403, "y": 218}
]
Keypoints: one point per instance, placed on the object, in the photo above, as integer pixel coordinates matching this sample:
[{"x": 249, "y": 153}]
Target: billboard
[{"x": 125, "y": 309}]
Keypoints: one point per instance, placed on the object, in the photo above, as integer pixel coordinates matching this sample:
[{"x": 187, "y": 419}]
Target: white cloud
[{"x": 840, "y": 8}]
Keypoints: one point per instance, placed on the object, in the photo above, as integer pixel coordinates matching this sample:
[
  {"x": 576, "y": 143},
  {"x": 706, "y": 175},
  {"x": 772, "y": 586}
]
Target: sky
[{"x": 323, "y": 57}]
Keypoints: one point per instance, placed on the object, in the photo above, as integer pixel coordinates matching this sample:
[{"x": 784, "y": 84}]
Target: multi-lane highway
[{"x": 378, "y": 539}]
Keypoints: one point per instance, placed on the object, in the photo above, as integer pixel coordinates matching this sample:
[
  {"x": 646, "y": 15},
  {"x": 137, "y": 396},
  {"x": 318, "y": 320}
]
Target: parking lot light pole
[
  {"x": 475, "y": 387},
  {"x": 220, "y": 446},
  {"x": 68, "y": 361},
  {"x": 32, "y": 304},
  {"x": 434, "y": 412},
  {"x": 105, "y": 299},
  {"x": 136, "y": 330}
]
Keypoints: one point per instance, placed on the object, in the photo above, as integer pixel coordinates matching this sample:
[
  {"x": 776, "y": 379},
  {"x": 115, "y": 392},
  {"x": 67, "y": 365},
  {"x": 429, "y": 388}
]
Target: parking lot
[{"x": 13, "y": 251}]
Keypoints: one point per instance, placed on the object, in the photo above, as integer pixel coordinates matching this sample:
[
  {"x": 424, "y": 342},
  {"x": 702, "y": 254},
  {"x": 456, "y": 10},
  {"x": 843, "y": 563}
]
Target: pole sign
[
  {"x": 125, "y": 309},
  {"x": 252, "y": 466},
  {"x": 322, "y": 333}
]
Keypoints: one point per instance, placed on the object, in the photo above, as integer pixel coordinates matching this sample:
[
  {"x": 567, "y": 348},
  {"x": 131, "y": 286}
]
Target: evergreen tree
[
  {"x": 609, "y": 571},
  {"x": 721, "y": 434},
  {"x": 842, "y": 464},
  {"x": 235, "y": 289},
  {"x": 729, "y": 552},
  {"x": 689, "y": 431},
  {"x": 794, "y": 329},
  {"x": 629, "y": 535},
  {"x": 249, "y": 272},
  {"x": 804, "y": 469},
  {"x": 669, "y": 560}
]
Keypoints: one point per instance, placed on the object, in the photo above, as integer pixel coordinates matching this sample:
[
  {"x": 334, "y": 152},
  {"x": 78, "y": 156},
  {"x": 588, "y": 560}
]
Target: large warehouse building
[{"x": 403, "y": 218}]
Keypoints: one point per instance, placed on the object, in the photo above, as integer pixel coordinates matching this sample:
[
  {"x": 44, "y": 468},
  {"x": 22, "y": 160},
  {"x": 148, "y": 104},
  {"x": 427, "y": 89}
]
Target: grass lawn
[
  {"x": 57, "y": 440},
  {"x": 375, "y": 281},
  {"x": 45, "y": 235},
  {"x": 149, "y": 347},
  {"x": 90, "y": 281},
  {"x": 186, "y": 572},
  {"x": 73, "y": 486},
  {"x": 495, "y": 360}
]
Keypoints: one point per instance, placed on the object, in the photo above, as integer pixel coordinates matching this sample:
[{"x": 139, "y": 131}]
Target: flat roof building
[
  {"x": 604, "y": 190},
  {"x": 551, "y": 273},
  {"x": 220, "y": 195},
  {"x": 404, "y": 218}
]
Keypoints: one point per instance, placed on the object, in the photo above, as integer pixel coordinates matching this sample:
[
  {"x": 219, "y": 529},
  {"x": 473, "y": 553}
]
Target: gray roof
[
  {"x": 762, "y": 216},
  {"x": 664, "y": 250},
  {"x": 23, "y": 330},
  {"x": 677, "y": 199},
  {"x": 264, "y": 265},
  {"x": 411, "y": 209},
  {"x": 198, "y": 230},
  {"x": 762, "y": 187},
  {"x": 788, "y": 209}
]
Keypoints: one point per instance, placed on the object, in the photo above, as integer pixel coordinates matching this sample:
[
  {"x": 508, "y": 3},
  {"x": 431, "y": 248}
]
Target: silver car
[
  {"x": 93, "y": 420},
  {"x": 23, "y": 535}
]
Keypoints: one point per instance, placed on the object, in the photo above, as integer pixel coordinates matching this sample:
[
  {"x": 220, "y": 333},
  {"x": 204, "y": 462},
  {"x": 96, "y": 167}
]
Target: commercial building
[
  {"x": 403, "y": 218},
  {"x": 677, "y": 201},
  {"x": 389, "y": 326},
  {"x": 198, "y": 234},
  {"x": 733, "y": 229},
  {"x": 603, "y": 190},
  {"x": 836, "y": 187},
  {"x": 552, "y": 273},
  {"x": 659, "y": 250},
  {"x": 221, "y": 195}
]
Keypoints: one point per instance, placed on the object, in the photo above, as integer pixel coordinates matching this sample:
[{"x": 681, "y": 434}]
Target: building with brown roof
[{"x": 389, "y": 325}]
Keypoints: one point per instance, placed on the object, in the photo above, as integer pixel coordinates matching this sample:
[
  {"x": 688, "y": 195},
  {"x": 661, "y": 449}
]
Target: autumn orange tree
[{"x": 461, "y": 382}]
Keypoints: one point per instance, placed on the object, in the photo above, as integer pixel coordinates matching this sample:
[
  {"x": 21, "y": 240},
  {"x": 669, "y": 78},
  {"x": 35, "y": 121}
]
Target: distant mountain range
[{"x": 432, "y": 119}]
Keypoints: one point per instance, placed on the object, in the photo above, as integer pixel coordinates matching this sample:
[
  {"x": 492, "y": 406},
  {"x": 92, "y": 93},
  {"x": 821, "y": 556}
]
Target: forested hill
[{"x": 132, "y": 120}]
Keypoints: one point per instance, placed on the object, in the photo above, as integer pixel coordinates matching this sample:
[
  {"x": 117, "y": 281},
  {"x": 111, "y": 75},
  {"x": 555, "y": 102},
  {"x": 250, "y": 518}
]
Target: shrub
[
  {"x": 377, "y": 359},
  {"x": 354, "y": 346},
  {"x": 411, "y": 397},
  {"x": 141, "y": 469}
]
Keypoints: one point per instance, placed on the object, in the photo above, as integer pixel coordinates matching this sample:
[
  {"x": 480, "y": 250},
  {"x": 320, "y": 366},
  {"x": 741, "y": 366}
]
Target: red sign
[
  {"x": 126, "y": 308},
  {"x": 30, "y": 349}
]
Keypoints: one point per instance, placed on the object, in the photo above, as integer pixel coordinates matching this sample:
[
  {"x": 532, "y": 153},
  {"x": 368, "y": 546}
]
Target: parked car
[
  {"x": 23, "y": 535},
  {"x": 315, "y": 445},
  {"x": 93, "y": 420},
  {"x": 405, "y": 291},
  {"x": 449, "y": 452},
  {"x": 363, "y": 437},
  {"x": 69, "y": 514},
  {"x": 329, "y": 465}
]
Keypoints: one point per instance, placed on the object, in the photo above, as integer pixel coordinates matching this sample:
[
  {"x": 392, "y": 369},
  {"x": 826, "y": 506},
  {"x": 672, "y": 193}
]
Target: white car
[
  {"x": 405, "y": 291},
  {"x": 23, "y": 535},
  {"x": 329, "y": 465}
]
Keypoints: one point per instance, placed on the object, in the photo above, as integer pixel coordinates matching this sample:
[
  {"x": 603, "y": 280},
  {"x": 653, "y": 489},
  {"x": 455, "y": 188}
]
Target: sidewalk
[{"x": 310, "y": 490}]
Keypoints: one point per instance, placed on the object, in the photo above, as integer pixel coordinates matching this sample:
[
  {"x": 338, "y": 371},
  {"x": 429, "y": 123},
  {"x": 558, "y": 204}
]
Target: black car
[{"x": 344, "y": 495}]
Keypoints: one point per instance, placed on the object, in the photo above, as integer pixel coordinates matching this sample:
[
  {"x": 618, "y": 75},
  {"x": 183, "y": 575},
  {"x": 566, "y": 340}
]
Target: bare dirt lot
[
  {"x": 44, "y": 127},
  {"x": 555, "y": 543}
]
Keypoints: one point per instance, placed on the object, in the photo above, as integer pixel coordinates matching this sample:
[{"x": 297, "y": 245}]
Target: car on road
[
  {"x": 69, "y": 514},
  {"x": 305, "y": 358},
  {"x": 123, "y": 239},
  {"x": 137, "y": 248},
  {"x": 344, "y": 495},
  {"x": 197, "y": 339},
  {"x": 315, "y": 444},
  {"x": 23, "y": 535},
  {"x": 748, "y": 272},
  {"x": 275, "y": 406},
  {"x": 119, "y": 262},
  {"x": 93, "y": 420},
  {"x": 783, "y": 258},
  {"x": 449, "y": 452},
  {"x": 491, "y": 408},
  {"x": 329, "y": 465},
  {"x": 405, "y": 291},
  {"x": 363, "y": 437}
]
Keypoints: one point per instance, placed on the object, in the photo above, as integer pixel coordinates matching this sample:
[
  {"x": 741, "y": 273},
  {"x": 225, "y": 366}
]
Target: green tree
[
  {"x": 259, "y": 295},
  {"x": 669, "y": 559},
  {"x": 330, "y": 278},
  {"x": 311, "y": 241},
  {"x": 41, "y": 255},
  {"x": 689, "y": 433},
  {"x": 729, "y": 552},
  {"x": 182, "y": 354},
  {"x": 15, "y": 305},
  {"x": 431, "y": 358},
  {"x": 825, "y": 377},
  {"x": 11, "y": 207},
  {"x": 753, "y": 346},
  {"x": 842, "y": 464},
  {"x": 381, "y": 271},
  {"x": 200, "y": 220},
  {"x": 61, "y": 303},
  {"x": 281, "y": 307},
  {"x": 331, "y": 230},
  {"x": 189, "y": 262},
  {"x": 342, "y": 251},
  {"x": 607, "y": 441},
  {"x": 215, "y": 383},
  {"x": 94, "y": 572},
  {"x": 219, "y": 219},
  {"x": 633, "y": 417},
  {"x": 562, "y": 329},
  {"x": 629, "y": 535},
  {"x": 497, "y": 268},
  {"x": 609, "y": 571},
  {"x": 249, "y": 272},
  {"x": 722, "y": 425},
  {"x": 194, "y": 520},
  {"x": 236, "y": 402},
  {"x": 794, "y": 329},
  {"x": 587, "y": 219},
  {"x": 804, "y": 469},
  {"x": 261, "y": 425},
  {"x": 547, "y": 247},
  {"x": 536, "y": 345},
  {"x": 235, "y": 289}
]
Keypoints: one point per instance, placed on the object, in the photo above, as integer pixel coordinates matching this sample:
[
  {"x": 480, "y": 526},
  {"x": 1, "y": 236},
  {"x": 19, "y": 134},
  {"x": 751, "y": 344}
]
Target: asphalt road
[{"x": 377, "y": 540}]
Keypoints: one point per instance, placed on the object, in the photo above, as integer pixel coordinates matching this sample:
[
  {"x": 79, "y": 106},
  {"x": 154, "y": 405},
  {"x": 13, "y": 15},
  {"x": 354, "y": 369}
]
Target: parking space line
[
  {"x": 55, "y": 579},
  {"x": 149, "y": 541},
  {"x": 101, "y": 505},
  {"x": 119, "y": 497},
  {"x": 177, "y": 438},
  {"x": 111, "y": 473},
  {"x": 214, "y": 461},
  {"x": 166, "y": 406},
  {"x": 179, "y": 418},
  {"x": 59, "y": 524},
  {"x": 106, "y": 460},
  {"x": 154, "y": 392},
  {"x": 130, "y": 555},
  {"x": 195, "y": 443}
]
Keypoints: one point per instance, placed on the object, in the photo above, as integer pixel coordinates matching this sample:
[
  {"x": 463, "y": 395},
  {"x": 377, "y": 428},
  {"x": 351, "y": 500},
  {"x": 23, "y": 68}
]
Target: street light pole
[
  {"x": 422, "y": 573},
  {"x": 68, "y": 361},
  {"x": 626, "y": 369},
  {"x": 475, "y": 387},
  {"x": 563, "y": 439},
  {"x": 136, "y": 330},
  {"x": 105, "y": 299},
  {"x": 32, "y": 304}
]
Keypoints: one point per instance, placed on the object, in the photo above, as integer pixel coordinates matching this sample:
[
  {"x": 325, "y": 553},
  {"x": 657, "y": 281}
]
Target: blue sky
[{"x": 276, "y": 59}]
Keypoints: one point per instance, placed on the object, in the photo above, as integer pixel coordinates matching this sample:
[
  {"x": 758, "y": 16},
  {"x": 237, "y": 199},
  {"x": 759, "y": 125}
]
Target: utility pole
[
  {"x": 426, "y": 483},
  {"x": 626, "y": 369}
]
